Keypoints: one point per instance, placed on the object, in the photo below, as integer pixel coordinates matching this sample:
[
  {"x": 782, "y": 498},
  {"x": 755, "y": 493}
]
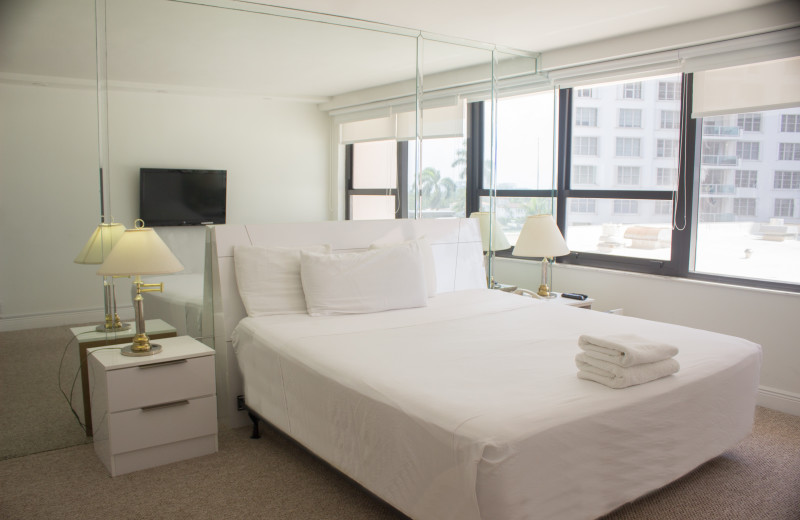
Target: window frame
[{"x": 400, "y": 192}]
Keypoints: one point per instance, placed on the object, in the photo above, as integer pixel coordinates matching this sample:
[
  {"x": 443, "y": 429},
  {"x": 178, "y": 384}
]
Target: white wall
[
  {"x": 276, "y": 153},
  {"x": 762, "y": 316}
]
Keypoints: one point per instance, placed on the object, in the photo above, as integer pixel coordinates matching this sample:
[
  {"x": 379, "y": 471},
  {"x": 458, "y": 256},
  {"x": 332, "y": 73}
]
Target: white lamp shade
[
  {"x": 499, "y": 240},
  {"x": 140, "y": 251},
  {"x": 99, "y": 245},
  {"x": 540, "y": 237}
]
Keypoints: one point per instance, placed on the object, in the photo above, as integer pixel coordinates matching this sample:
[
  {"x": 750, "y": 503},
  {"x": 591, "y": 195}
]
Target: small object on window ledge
[{"x": 504, "y": 287}]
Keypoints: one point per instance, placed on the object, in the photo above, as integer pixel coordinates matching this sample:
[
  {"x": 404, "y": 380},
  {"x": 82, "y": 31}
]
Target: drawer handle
[
  {"x": 164, "y": 405},
  {"x": 164, "y": 363}
]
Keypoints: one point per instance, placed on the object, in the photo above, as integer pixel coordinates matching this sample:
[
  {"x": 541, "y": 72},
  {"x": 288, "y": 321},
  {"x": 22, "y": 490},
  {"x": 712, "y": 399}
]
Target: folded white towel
[
  {"x": 615, "y": 376},
  {"x": 625, "y": 350}
]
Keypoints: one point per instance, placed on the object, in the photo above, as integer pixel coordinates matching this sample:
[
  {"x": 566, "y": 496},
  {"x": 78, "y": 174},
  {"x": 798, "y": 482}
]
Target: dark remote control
[{"x": 574, "y": 296}]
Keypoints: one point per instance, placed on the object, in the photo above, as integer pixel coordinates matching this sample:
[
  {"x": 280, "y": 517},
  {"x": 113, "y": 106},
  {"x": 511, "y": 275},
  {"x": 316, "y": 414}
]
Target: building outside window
[
  {"x": 746, "y": 179},
  {"x": 630, "y": 117},
  {"x": 583, "y": 145},
  {"x": 749, "y": 122},
  {"x": 586, "y": 116},
  {"x": 748, "y": 150},
  {"x": 744, "y": 207},
  {"x": 670, "y": 119},
  {"x": 785, "y": 180},
  {"x": 790, "y": 123},
  {"x": 784, "y": 208},
  {"x": 629, "y": 147},
  {"x": 632, "y": 90},
  {"x": 669, "y": 90},
  {"x": 666, "y": 148},
  {"x": 584, "y": 93},
  {"x": 626, "y": 207},
  {"x": 666, "y": 177},
  {"x": 584, "y": 174},
  {"x": 583, "y": 205},
  {"x": 628, "y": 175},
  {"x": 789, "y": 152}
]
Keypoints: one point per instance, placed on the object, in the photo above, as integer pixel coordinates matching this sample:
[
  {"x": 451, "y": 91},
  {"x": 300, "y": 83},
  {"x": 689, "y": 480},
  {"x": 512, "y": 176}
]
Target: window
[
  {"x": 790, "y": 123},
  {"x": 630, "y": 117},
  {"x": 585, "y": 116},
  {"x": 670, "y": 119},
  {"x": 746, "y": 179},
  {"x": 584, "y": 93},
  {"x": 632, "y": 90},
  {"x": 787, "y": 180},
  {"x": 749, "y": 122},
  {"x": 731, "y": 193},
  {"x": 663, "y": 207},
  {"x": 748, "y": 150},
  {"x": 669, "y": 90},
  {"x": 784, "y": 208},
  {"x": 666, "y": 148},
  {"x": 584, "y": 145},
  {"x": 626, "y": 207},
  {"x": 789, "y": 152},
  {"x": 372, "y": 181},
  {"x": 628, "y": 147},
  {"x": 666, "y": 177},
  {"x": 583, "y": 205},
  {"x": 744, "y": 207},
  {"x": 628, "y": 175},
  {"x": 584, "y": 174}
]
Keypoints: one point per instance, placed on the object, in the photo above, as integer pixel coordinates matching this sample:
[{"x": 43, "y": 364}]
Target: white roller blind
[
  {"x": 747, "y": 88},
  {"x": 378, "y": 129},
  {"x": 437, "y": 122}
]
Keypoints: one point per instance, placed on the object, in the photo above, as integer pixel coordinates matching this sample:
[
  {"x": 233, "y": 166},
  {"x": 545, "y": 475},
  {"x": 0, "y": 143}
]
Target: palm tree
[{"x": 435, "y": 189}]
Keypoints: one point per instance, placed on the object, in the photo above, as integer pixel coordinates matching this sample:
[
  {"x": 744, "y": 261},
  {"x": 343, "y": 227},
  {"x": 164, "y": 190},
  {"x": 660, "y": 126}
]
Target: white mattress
[
  {"x": 180, "y": 304},
  {"x": 470, "y": 408}
]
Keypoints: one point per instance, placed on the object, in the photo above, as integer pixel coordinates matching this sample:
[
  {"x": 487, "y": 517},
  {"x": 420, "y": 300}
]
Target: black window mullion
[
  {"x": 401, "y": 209},
  {"x": 348, "y": 180},
  {"x": 564, "y": 156},
  {"x": 620, "y": 194},
  {"x": 475, "y": 142}
]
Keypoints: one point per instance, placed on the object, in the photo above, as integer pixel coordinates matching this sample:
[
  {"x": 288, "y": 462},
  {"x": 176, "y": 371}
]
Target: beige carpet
[
  {"x": 274, "y": 478},
  {"x": 34, "y": 414}
]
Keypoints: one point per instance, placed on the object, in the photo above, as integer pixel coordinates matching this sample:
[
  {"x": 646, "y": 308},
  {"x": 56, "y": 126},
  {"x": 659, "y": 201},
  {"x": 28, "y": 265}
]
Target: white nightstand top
[
  {"x": 181, "y": 347},
  {"x": 559, "y": 300},
  {"x": 89, "y": 333}
]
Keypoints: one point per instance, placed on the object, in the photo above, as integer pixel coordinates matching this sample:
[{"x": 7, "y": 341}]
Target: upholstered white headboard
[{"x": 457, "y": 251}]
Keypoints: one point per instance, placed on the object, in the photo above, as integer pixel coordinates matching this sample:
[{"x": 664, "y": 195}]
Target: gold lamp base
[
  {"x": 141, "y": 346},
  {"x": 112, "y": 325},
  {"x": 544, "y": 292}
]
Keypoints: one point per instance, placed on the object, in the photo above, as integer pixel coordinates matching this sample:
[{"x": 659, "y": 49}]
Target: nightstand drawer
[
  {"x": 177, "y": 421},
  {"x": 156, "y": 383}
]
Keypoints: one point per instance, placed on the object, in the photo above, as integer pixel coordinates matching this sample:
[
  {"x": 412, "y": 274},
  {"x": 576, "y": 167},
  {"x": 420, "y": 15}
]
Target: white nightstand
[
  {"x": 559, "y": 300},
  {"x": 153, "y": 410}
]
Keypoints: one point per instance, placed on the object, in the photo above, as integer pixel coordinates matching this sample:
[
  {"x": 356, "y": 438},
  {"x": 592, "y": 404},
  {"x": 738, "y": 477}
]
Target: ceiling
[{"x": 166, "y": 45}]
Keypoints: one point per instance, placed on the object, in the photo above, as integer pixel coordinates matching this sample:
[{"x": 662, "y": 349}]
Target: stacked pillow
[{"x": 291, "y": 280}]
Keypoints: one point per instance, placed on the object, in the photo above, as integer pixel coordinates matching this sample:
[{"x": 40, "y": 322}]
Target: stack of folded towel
[{"x": 622, "y": 360}]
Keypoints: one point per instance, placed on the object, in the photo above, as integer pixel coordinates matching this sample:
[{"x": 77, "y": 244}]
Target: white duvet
[{"x": 470, "y": 407}]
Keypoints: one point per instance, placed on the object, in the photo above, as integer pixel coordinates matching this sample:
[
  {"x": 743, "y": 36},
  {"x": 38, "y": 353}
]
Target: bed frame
[{"x": 456, "y": 245}]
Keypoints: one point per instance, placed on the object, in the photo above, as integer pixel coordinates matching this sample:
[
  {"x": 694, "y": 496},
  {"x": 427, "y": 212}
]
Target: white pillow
[
  {"x": 370, "y": 281},
  {"x": 269, "y": 278},
  {"x": 428, "y": 264}
]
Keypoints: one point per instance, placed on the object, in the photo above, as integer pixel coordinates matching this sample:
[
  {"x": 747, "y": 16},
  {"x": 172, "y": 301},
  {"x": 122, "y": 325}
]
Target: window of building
[
  {"x": 790, "y": 123},
  {"x": 630, "y": 117},
  {"x": 628, "y": 175},
  {"x": 584, "y": 145},
  {"x": 584, "y": 93},
  {"x": 583, "y": 205},
  {"x": 785, "y": 180},
  {"x": 585, "y": 116},
  {"x": 746, "y": 179},
  {"x": 670, "y": 119},
  {"x": 667, "y": 148},
  {"x": 784, "y": 208},
  {"x": 748, "y": 150},
  {"x": 629, "y": 147},
  {"x": 626, "y": 207},
  {"x": 662, "y": 207},
  {"x": 669, "y": 90},
  {"x": 789, "y": 152},
  {"x": 632, "y": 90},
  {"x": 666, "y": 177},
  {"x": 744, "y": 207},
  {"x": 584, "y": 174},
  {"x": 749, "y": 122}
]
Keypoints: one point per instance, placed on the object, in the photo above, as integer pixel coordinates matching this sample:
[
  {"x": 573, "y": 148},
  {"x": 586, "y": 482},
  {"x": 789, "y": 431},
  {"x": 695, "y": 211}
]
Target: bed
[{"x": 469, "y": 407}]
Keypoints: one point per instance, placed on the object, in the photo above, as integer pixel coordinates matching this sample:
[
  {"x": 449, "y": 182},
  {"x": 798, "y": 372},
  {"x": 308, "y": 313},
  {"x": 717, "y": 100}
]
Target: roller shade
[
  {"x": 747, "y": 88},
  {"x": 437, "y": 122}
]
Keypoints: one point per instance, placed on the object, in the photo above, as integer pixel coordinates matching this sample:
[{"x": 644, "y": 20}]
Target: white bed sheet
[
  {"x": 180, "y": 304},
  {"x": 470, "y": 408}
]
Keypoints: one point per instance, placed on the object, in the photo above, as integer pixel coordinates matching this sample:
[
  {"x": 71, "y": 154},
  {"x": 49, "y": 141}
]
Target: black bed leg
[{"x": 255, "y": 434}]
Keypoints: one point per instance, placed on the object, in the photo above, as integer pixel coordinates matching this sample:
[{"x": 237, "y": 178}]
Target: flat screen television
[{"x": 175, "y": 197}]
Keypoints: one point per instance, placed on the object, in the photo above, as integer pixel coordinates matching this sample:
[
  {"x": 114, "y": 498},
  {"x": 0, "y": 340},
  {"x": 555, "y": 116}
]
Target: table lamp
[
  {"x": 540, "y": 237},
  {"x": 97, "y": 248},
  {"x": 490, "y": 227},
  {"x": 140, "y": 251}
]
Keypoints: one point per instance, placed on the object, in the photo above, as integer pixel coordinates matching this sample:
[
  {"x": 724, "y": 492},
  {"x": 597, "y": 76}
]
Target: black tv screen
[{"x": 174, "y": 197}]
